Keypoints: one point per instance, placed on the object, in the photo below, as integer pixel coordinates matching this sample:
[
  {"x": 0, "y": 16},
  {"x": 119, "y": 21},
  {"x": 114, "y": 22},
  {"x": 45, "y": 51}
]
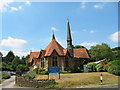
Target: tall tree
[
  {"x": 102, "y": 51},
  {"x": 9, "y": 57}
]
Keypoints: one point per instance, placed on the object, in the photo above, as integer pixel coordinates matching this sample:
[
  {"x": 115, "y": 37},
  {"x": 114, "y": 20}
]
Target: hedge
[
  {"x": 91, "y": 67},
  {"x": 30, "y": 75},
  {"x": 114, "y": 67},
  {"x": 5, "y": 75}
]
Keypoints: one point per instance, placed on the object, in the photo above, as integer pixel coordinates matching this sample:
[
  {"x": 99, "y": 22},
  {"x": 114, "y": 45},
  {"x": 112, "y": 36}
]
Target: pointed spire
[
  {"x": 53, "y": 36},
  {"x": 68, "y": 31}
]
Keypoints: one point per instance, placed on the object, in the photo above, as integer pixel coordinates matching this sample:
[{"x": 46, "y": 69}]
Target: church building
[{"x": 55, "y": 55}]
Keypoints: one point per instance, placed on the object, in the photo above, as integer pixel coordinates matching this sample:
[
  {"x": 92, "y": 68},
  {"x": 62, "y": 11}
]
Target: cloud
[
  {"x": 83, "y": 4},
  {"x": 27, "y": 3},
  {"x": 89, "y": 31},
  {"x": 89, "y": 44},
  {"x": 14, "y": 8},
  {"x": 99, "y": 6},
  {"x": 5, "y": 4},
  {"x": 12, "y": 42},
  {"x": 114, "y": 37},
  {"x": 54, "y": 28},
  {"x": 92, "y": 31}
]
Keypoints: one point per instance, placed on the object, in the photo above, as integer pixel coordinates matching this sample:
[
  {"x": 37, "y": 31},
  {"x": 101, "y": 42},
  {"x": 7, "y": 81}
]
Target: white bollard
[{"x": 101, "y": 78}]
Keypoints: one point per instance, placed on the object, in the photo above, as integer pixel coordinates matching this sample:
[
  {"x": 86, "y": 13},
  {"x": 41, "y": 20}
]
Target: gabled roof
[
  {"x": 33, "y": 55},
  {"x": 54, "y": 45},
  {"x": 80, "y": 53}
]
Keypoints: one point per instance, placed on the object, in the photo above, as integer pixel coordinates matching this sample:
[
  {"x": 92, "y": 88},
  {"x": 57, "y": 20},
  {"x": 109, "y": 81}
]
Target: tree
[
  {"x": 116, "y": 52},
  {"x": 9, "y": 57},
  {"x": 99, "y": 52},
  {"x": 15, "y": 62},
  {"x": 78, "y": 46}
]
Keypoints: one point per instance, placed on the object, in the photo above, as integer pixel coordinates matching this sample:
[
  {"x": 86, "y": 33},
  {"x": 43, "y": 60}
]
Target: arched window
[
  {"x": 42, "y": 62},
  {"x": 54, "y": 62}
]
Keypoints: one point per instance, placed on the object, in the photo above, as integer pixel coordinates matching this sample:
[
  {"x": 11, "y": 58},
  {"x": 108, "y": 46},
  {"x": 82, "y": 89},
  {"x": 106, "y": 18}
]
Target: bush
[
  {"x": 91, "y": 67},
  {"x": 5, "y": 75},
  {"x": 99, "y": 67},
  {"x": 44, "y": 72},
  {"x": 40, "y": 70},
  {"x": 52, "y": 86},
  {"x": 114, "y": 67},
  {"x": 30, "y": 75}
]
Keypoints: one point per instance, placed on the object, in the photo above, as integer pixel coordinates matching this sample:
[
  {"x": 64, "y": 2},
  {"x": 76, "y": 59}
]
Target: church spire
[
  {"x": 69, "y": 38},
  {"x": 68, "y": 31},
  {"x": 53, "y": 36}
]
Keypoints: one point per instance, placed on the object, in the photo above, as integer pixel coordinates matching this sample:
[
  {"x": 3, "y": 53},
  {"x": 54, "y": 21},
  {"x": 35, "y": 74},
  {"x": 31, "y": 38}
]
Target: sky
[{"x": 28, "y": 26}]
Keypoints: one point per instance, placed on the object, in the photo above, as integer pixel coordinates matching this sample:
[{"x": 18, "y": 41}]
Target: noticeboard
[{"x": 53, "y": 69}]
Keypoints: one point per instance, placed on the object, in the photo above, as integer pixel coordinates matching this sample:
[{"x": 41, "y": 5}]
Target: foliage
[
  {"x": 52, "y": 86},
  {"x": 91, "y": 67},
  {"x": 9, "y": 57},
  {"x": 5, "y": 75},
  {"x": 15, "y": 62},
  {"x": 42, "y": 71},
  {"x": 78, "y": 46},
  {"x": 22, "y": 67},
  {"x": 114, "y": 67},
  {"x": 69, "y": 69},
  {"x": 64, "y": 72},
  {"x": 30, "y": 75},
  {"x": 99, "y": 52},
  {"x": 99, "y": 67},
  {"x": 12, "y": 62}
]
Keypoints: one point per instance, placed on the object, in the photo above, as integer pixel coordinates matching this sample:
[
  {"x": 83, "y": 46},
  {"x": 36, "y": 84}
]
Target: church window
[
  {"x": 55, "y": 63},
  {"x": 42, "y": 62}
]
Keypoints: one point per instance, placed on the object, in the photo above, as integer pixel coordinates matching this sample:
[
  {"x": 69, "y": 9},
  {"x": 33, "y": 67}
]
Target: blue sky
[{"x": 28, "y": 25}]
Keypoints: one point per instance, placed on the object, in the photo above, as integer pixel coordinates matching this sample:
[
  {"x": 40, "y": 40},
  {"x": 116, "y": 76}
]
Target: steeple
[
  {"x": 69, "y": 38},
  {"x": 68, "y": 31},
  {"x": 53, "y": 36}
]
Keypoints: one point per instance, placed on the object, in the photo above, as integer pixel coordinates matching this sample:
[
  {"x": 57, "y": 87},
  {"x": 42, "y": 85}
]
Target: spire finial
[{"x": 53, "y": 36}]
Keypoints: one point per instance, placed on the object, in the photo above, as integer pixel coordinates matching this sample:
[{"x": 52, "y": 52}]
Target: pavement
[{"x": 9, "y": 83}]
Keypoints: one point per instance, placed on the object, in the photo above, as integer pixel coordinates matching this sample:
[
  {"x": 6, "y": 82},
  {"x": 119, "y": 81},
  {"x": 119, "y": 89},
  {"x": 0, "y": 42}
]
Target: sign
[
  {"x": 53, "y": 69},
  {"x": 53, "y": 74}
]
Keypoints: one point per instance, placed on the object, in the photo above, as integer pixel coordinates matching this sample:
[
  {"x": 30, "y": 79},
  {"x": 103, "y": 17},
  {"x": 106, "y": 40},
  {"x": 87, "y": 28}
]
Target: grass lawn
[{"x": 80, "y": 80}]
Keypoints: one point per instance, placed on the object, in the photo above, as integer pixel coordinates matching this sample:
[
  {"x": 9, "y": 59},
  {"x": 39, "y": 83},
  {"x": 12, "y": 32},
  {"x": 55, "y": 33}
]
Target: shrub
[
  {"x": 5, "y": 75},
  {"x": 99, "y": 67},
  {"x": 114, "y": 67},
  {"x": 64, "y": 72},
  {"x": 44, "y": 72},
  {"x": 40, "y": 70},
  {"x": 91, "y": 67},
  {"x": 30, "y": 75},
  {"x": 52, "y": 86}
]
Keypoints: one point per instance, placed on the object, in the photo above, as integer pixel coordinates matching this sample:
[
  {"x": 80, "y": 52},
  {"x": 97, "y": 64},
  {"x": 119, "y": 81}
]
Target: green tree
[
  {"x": 78, "y": 46},
  {"x": 15, "y": 62},
  {"x": 102, "y": 51},
  {"x": 9, "y": 57}
]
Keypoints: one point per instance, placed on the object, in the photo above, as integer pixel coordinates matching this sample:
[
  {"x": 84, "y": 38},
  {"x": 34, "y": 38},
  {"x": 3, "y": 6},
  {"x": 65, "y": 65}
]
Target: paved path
[{"x": 9, "y": 83}]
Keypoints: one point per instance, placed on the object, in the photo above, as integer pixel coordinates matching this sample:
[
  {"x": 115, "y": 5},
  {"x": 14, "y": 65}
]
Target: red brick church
[{"x": 55, "y": 55}]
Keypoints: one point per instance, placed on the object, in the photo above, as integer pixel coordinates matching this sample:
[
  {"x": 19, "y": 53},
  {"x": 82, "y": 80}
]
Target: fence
[{"x": 23, "y": 82}]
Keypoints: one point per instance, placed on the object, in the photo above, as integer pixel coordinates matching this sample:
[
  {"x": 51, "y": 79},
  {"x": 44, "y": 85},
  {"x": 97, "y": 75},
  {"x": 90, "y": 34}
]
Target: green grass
[{"x": 74, "y": 80}]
